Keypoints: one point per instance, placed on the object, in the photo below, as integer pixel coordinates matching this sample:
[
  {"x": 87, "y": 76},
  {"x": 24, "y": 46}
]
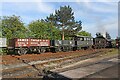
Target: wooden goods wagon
[{"x": 22, "y": 46}]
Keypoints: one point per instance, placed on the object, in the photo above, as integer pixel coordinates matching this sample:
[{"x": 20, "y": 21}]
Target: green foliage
[
  {"x": 64, "y": 21},
  {"x": 51, "y": 19},
  {"x": 73, "y": 29},
  {"x": 84, "y": 33},
  {"x": 38, "y": 29},
  {"x": 3, "y": 51},
  {"x": 64, "y": 16},
  {"x": 13, "y": 27},
  {"x": 43, "y": 30},
  {"x": 54, "y": 33}
]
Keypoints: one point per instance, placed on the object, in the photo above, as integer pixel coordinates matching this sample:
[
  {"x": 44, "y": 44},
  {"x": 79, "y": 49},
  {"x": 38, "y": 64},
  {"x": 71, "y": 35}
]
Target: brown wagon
[{"x": 25, "y": 45}]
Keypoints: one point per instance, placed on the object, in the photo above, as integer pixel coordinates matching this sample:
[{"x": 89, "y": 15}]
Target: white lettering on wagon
[{"x": 44, "y": 44}]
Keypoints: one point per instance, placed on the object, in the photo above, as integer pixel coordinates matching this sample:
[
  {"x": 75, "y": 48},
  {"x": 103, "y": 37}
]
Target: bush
[{"x": 3, "y": 51}]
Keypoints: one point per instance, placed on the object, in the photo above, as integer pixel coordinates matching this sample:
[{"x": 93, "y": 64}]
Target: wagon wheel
[
  {"x": 39, "y": 51},
  {"x": 59, "y": 49},
  {"x": 64, "y": 48},
  {"x": 43, "y": 50},
  {"x": 10, "y": 51},
  {"x": 22, "y": 51}
]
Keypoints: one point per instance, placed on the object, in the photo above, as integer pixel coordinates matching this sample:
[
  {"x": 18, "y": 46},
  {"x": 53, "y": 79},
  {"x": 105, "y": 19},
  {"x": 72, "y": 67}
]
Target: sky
[{"x": 96, "y": 15}]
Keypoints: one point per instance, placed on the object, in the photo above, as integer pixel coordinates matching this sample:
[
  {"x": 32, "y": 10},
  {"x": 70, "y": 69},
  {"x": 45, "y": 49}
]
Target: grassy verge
[
  {"x": 3, "y": 51},
  {"x": 109, "y": 53}
]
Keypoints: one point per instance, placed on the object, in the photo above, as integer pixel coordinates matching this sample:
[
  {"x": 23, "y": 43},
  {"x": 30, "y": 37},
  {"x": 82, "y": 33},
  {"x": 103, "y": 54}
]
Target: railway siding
[
  {"x": 36, "y": 67},
  {"x": 25, "y": 63}
]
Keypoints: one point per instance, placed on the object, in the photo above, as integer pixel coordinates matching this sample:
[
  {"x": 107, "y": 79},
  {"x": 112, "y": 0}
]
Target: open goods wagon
[{"x": 23, "y": 46}]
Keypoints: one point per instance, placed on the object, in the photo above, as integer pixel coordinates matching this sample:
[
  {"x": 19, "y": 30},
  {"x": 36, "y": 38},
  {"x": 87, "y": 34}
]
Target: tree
[
  {"x": 74, "y": 28},
  {"x": 13, "y": 27},
  {"x": 38, "y": 29},
  {"x": 43, "y": 30},
  {"x": 84, "y": 33},
  {"x": 51, "y": 21},
  {"x": 64, "y": 20}
]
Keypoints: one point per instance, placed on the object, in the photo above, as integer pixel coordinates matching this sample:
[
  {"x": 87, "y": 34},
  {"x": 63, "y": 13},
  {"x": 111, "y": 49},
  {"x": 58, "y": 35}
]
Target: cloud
[
  {"x": 110, "y": 28},
  {"x": 20, "y": 1},
  {"x": 104, "y": 7},
  {"x": 103, "y": 26},
  {"x": 40, "y": 7},
  {"x": 27, "y": 10},
  {"x": 97, "y": 19},
  {"x": 37, "y": 0},
  {"x": 92, "y": 14},
  {"x": 45, "y": 7},
  {"x": 97, "y": 0}
]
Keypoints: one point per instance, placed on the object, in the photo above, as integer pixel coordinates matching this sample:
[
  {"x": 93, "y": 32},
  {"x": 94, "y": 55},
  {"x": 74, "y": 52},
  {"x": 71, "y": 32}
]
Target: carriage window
[
  {"x": 84, "y": 39},
  {"x": 81, "y": 39},
  {"x": 88, "y": 39},
  {"x": 75, "y": 38}
]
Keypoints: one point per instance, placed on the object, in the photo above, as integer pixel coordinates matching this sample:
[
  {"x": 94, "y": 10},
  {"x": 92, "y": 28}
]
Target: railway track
[
  {"x": 38, "y": 68},
  {"x": 102, "y": 68}
]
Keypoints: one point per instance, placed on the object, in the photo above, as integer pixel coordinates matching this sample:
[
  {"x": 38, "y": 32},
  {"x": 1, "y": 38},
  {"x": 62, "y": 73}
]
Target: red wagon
[{"x": 24, "y": 45}]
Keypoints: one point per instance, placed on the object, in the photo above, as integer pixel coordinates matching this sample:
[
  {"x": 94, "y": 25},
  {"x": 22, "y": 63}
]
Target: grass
[
  {"x": 110, "y": 52},
  {"x": 3, "y": 51}
]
